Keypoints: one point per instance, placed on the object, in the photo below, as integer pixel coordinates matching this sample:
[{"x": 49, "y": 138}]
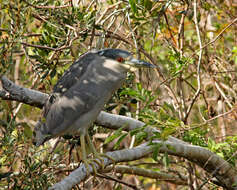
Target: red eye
[{"x": 120, "y": 59}]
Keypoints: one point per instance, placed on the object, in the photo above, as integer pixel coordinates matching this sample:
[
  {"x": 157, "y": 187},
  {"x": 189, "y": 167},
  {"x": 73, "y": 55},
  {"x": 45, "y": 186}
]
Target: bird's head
[{"x": 124, "y": 57}]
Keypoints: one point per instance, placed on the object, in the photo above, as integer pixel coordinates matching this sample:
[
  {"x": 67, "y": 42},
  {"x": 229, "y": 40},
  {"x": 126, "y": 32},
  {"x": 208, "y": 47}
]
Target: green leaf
[
  {"x": 156, "y": 135},
  {"x": 129, "y": 91},
  {"x": 133, "y": 6},
  {"x": 116, "y": 146},
  {"x": 114, "y": 136},
  {"x": 137, "y": 130},
  {"x": 156, "y": 149},
  {"x": 148, "y": 4},
  {"x": 80, "y": 15},
  {"x": 235, "y": 184},
  {"x": 166, "y": 160},
  {"x": 141, "y": 136},
  {"x": 167, "y": 131},
  {"x": 139, "y": 86}
]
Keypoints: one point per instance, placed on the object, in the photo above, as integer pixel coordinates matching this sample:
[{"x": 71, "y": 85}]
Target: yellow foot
[
  {"x": 98, "y": 158},
  {"x": 88, "y": 163}
]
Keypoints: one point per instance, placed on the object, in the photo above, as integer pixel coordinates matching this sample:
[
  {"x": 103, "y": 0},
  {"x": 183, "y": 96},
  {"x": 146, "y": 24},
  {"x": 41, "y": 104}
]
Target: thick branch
[
  {"x": 209, "y": 161},
  {"x": 148, "y": 173},
  {"x": 115, "y": 122},
  {"x": 14, "y": 92}
]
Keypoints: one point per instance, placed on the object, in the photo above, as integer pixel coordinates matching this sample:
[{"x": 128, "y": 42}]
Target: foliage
[{"x": 226, "y": 149}]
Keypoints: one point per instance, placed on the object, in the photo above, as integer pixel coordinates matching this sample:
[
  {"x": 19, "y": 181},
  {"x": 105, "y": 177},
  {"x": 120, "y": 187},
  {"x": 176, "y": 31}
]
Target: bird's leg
[
  {"x": 84, "y": 155},
  {"x": 95, "y": 153},
  {"x": 83, "y": 151},
  {"x": 98, "y": 155}
]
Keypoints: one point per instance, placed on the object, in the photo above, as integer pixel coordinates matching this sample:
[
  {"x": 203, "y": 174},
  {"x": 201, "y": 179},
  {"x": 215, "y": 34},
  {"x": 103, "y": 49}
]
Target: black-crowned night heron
[{"x": 81, "y": 93}]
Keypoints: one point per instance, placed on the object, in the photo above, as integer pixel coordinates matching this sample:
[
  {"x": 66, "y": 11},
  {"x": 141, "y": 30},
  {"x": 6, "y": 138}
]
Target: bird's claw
[
  {"x": 88, "y": 163},
  {"x": 98, "y": 158}
]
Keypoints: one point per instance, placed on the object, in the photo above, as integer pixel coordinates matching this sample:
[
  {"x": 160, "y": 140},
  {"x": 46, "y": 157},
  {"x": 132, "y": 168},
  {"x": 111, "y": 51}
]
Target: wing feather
[{"x": 73, "y": 74}]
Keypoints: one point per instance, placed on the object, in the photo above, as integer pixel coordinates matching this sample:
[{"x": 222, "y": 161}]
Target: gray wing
[
  {"x": 65, "y": 114},
  {"x": 73, "y": 74},
  {"x": 69, "y": 78}
]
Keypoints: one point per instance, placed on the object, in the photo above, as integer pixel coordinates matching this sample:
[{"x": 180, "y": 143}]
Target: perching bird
[{"x": 81, "y": 93}]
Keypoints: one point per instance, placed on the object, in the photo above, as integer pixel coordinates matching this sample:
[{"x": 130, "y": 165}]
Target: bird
[{"x": 81, "y": 93}]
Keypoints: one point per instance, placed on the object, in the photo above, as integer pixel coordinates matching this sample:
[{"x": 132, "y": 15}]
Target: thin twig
[
  {"x": 106, "y": 10},
  {"x": 37, "y": 46},
  {"x": 199, "y": 62},
  {"x": 170, "y": 32},
  {"x": 47, "y": 7},
  {"x": 212, "y": 41},
  {"x": 32, "y": 35},
  {"x": 218, "y": 116},
  {"x": 178, "y": 179},
  {"x": 50, "y": 48},
  {"x": 118, "y": 181},
  {"x": 44, "y": 20},
  {"x": 132, "y": 32},
  {"x": 181, "y": 32},
  {"x": 223, "y": 94},
  {"x": 92, "y": 36},
  {"x": 219, "y": 35}
]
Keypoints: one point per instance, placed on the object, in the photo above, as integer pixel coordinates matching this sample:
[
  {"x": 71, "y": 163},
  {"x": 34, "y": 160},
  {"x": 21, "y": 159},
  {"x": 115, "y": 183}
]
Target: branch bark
[
  {"x": 11, "y": 91},
  {"x": 209, "y": 161},
  {"x": 178, "y": 180}
]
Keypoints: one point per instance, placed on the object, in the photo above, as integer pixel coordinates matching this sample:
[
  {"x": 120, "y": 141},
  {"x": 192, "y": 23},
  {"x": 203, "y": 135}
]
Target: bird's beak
[{"x": 139, "y": 63}]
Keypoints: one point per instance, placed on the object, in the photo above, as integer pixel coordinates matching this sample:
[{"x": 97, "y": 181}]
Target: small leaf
[
  {"x": 139, "y": 86},
  {"x": 156, "y": 149},
  {"x": 3, "y": 159},
  {"x": 140, "y": 136},
  {"x": 166, "y": 160},
  {"x": 53, "y": 73},
  {"x": 114, "y": 136},
  {"x": 137, "y": 130},
  {"x": 156, "y": 135},
  {"x": 38, "y": 58},
  {"x": 167, "y": 131},
  {"x": 133, "y": 6},
  {"x": 116, "y": 146},
  {"x": 148, "y": 4}
]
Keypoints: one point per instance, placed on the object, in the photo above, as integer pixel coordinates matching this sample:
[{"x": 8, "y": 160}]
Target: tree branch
[
  {"x": 148, "y": 173},
  {"x": 208, "y": 160},
  {"x": 12, "y": 91}
]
